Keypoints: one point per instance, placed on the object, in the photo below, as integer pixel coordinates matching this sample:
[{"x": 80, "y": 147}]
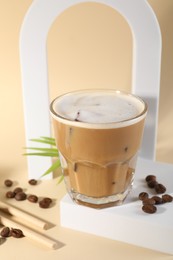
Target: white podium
[{"x": 128, "y": 223}]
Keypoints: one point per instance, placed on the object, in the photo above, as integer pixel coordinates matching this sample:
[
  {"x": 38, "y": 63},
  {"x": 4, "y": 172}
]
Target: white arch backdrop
[{"x": 145, "y": 78}]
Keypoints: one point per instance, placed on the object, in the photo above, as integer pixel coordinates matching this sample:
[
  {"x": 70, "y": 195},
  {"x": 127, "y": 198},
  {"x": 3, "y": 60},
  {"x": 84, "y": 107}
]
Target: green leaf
[
  {"x": 45, "y": 141},
  {"x": 61, "y": 178},
  {"x": 41, "y": 151},
  {"x": 42, "y": 154},
  {"x": 53, "y": 167},
  {"x": 48, "y": 138},
  {"x": 54, "y": 150}
]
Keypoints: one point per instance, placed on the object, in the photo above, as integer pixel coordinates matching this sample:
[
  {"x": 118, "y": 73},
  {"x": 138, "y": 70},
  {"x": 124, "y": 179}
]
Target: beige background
[{"x": 76, "y": 59}]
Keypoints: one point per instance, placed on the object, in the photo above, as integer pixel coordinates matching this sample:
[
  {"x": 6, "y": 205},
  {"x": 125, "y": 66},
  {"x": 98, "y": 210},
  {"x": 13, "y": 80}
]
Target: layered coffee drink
[{"x": 98, "y": 135}]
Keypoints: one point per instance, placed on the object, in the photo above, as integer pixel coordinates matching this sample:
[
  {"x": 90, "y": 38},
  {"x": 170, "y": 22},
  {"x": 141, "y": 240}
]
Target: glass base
[{"x": 99, "y": 203}]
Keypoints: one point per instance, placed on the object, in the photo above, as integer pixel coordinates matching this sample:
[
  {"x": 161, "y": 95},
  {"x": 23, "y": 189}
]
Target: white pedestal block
[{"x": 128, "y": 223}]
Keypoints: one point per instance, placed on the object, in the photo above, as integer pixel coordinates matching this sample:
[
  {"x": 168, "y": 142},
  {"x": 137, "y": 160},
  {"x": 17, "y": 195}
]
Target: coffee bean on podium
[
  {"x": 160, "y": 188},
  {"x": 157, "y": 199},
  {"x": 150, "y": 178},
  {"x": 149, "y": 208},
  {"x": 152, "y": 184},
  {"x": 149, "y": 201},
  {"x": 167, "y": 198},
  {"x": 143, "y": 195}
]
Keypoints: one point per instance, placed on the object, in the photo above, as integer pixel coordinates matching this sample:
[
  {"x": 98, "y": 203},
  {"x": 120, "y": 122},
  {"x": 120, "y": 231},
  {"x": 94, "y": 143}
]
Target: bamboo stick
[
  {"x": 25, "y": 216},
  {"x": 7, "y": 220}
]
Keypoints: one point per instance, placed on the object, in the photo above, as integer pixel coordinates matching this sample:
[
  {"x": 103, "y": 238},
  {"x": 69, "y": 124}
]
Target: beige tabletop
[{"x": 71, "y": 244}]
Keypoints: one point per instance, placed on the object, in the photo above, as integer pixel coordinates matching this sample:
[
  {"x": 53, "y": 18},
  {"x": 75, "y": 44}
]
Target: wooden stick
[
  {"x": 21, "y": 214},
  {"x": 7, "y": 220}
]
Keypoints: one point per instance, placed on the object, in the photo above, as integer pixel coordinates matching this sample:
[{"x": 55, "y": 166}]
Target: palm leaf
[
  {"x": 42, "y": 154},
  {"x": 50, "y": 152},
  {"x": 48, "y": 138},
  {"x": 53, "y": 167},
  {"x": 61, "y": 178},
  {"x": 54, "y": 150},
  {"x": 45, "y": 141}
]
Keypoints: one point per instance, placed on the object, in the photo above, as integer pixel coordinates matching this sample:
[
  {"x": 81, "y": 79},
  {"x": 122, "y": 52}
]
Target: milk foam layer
[{"x": 107, "y": 106}]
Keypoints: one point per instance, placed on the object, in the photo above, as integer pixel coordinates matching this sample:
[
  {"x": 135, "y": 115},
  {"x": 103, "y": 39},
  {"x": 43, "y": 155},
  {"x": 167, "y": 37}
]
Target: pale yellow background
[{"x": 77, "y": 59}]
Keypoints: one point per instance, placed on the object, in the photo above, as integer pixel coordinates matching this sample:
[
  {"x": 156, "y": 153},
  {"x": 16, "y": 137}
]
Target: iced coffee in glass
[{"x": 98, "y": 134}]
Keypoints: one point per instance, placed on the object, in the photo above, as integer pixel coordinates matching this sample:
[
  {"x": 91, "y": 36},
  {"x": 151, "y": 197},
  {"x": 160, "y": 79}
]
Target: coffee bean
[
  {"x": 6, "y": 232},
  {"x": 17, "y": 190},
  {"x": 143, "y": 195},
  {"x": 44, "y": 204},
  {"x": 160, "y": 188},
  {"x": 157, "y": 199},
  {"x": 20, "y": 196},
  {"x": 152, "y": 184},
  {"x": 32, "y": 182},
  {"x": 32, "y": 198},
  {"x": 47, "y": 200},
  {"x": 148, "y": 201},
  {"x": 148, "y": 208},
  {"x": 10, "y": 194},
  {"x": 8, "y": 183},
  {"x": 17, "y": 233},
  {"x": 150, "y": 178},
  {"x": 167, "y": 198}
]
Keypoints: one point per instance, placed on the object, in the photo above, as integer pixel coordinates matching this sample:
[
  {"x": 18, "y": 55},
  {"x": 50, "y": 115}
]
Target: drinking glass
[{"x": 98, "y": 156}]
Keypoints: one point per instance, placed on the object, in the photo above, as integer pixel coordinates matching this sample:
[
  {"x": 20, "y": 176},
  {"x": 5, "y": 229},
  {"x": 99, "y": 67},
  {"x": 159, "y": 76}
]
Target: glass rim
[{"x": 117, "y": 124}]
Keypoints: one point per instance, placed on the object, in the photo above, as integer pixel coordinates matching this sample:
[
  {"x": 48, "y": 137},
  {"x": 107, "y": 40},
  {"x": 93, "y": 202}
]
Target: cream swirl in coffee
[{"x": 98, "y": 106}]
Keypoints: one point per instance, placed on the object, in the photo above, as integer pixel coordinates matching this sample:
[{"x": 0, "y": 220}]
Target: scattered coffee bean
[
  {"x": 152, "y": 184},
  {"x": 32, "y": 182},
  {"x": 8, "y": 183},
  {"x": 143, "y": 195},
  {"x": 17, "y": 190},
  {"x": 47, "y": 200},
  {"x": 150, "y": 178},
  {"x": 6, "y": 232},
  {"x": 148, "y": 201},
  {"x": 149, "y": 208},
  {"x": 167, "y": 198},
  {"x": 160, "y": 188},
  {"x": 157, "y": 199},
  {"x": 20, "y": 196},
  {"x": 10, "y": 194},
  {"x": 44, "y": 204},
  {"x": 32, "y": 198},
  {"x": 17, "y": 233}
]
